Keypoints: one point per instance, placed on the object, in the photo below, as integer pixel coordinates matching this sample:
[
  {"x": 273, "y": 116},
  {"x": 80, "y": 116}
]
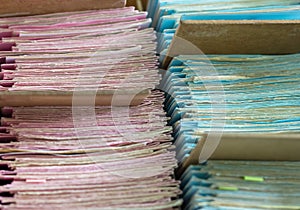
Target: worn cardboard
[
  {"x": 235, "y": 37},
  {"x": 61, "y": 98},
  {"x": 256, "y": 146},
  {"x": 34, "y": 7}
]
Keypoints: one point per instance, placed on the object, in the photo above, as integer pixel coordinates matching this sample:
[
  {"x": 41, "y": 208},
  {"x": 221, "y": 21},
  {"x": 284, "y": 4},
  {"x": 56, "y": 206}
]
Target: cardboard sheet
[
  {"x": 235, "y": 37},
  {"x": 239, "y": 146},
  {"x": 34, "y": 7},
  {"x": 61, "y": 98}
]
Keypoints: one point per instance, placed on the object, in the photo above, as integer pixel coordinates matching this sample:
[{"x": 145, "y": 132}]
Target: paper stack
[
  {"x": 96, "y": 52},
  {"x": 223, "y": 94},
  {"x": 240, "y": 185},
  {"x": 117, "y": 159},
  {"x": 83, "y": 156}
]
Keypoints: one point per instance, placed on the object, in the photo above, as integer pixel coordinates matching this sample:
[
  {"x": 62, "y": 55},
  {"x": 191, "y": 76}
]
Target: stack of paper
[
  {"x": 104, "y": 50},
  {"x": 167, "y": 14},
  {"x": 231, "y": 94},
  {"x": 59, "y": 158},
  {"x": 240, "y": 185},
  {"x": 83, "y": 156}
]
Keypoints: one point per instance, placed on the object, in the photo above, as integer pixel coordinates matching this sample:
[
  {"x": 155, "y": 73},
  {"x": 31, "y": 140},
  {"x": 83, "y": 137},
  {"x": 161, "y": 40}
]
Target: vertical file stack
[
  {"x": 59, "y": 148},
  {"x": 232, "y": 85}
]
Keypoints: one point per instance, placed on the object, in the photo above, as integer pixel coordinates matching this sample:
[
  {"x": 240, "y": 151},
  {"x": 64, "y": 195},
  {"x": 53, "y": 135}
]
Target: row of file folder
[
  {"x": 242, "y": 185},
  {"x": 231, "y": 94},
  {"x": 167, "y": 14}
]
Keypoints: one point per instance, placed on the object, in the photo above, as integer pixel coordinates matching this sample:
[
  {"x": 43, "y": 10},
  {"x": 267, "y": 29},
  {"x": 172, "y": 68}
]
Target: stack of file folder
[
  {"x": 233, "y": 102},
  {"x": 83, "y": 156},
  {"x": 102, "y": 50},
  {"x": 123, "y": 159},
  {"x": 240, "y": 185},
  {"x": 251, "y": 94}
]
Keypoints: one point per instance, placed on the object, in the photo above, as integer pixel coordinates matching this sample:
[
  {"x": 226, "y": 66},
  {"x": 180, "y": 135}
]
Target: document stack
[
  {"x": 83, "y": 156},
  {"x": 232, "y": 94}
]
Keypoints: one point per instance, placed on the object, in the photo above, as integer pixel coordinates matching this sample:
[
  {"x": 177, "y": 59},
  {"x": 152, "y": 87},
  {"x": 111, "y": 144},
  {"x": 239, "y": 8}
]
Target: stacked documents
[
  {"x": 231, "y": 94},
  {"x": 241, "y": 185},
  {"x": 59, "y": 158},
  {"x": 102, "y": 49},
  {"x": 84, "y": 156}
]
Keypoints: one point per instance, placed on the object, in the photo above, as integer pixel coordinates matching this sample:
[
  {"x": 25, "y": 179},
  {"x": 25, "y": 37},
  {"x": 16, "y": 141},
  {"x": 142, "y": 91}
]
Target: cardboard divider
[
  {"x": 35, "y": 7},
  {"x": 61, "y": 98},
  {"x": 256, "y": 146},
  {"x": 235, "y": 37}
]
